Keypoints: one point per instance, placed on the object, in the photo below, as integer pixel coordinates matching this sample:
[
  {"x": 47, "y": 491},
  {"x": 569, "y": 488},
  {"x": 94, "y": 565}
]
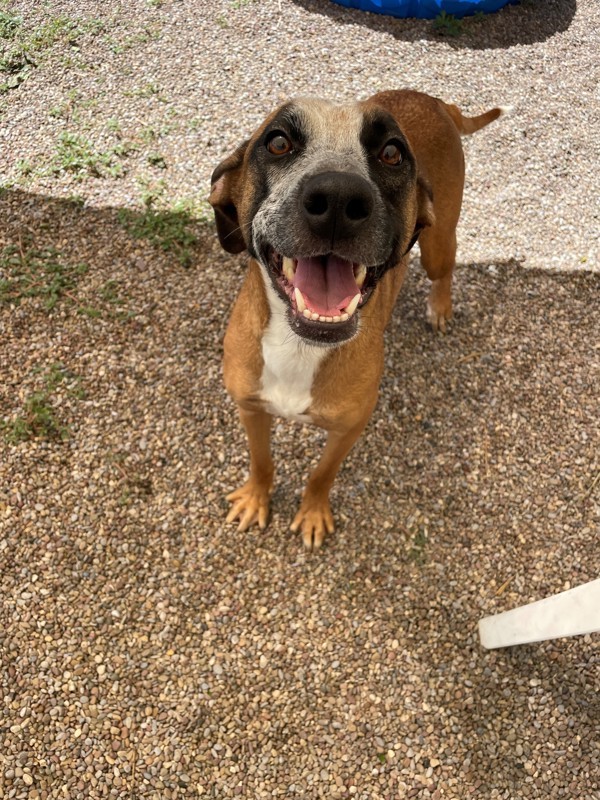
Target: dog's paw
[
  {"x": 250, "y": 505},
  {"x": 438, "y": 313},
  {"x": 314, "y": 520}
]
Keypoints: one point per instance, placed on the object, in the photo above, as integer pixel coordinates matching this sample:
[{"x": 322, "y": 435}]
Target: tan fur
[{"x": 346, "y": 385}]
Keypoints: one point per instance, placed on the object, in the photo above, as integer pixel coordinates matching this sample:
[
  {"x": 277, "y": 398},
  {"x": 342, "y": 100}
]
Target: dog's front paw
[
  {"x": 439, "y": 306},
  {"x": 250, "y": 505},
  {"x": 314, "y": 520}
]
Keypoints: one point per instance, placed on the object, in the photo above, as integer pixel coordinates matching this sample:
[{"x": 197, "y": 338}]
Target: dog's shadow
[{"x": 525, "y": 23}]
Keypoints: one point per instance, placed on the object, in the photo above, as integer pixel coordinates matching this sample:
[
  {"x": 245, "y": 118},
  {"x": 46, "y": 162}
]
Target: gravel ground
[{"x": 147, "y": 649}]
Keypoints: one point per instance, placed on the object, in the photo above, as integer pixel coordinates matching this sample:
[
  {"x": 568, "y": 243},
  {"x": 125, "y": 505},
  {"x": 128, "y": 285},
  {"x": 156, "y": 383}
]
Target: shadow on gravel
[{"x": 525, "y": 23}]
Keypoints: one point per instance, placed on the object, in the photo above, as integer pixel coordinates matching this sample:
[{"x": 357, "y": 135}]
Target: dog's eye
[
  {"x": 278, "y": 144},
  {"x": 391, "y": 154}
]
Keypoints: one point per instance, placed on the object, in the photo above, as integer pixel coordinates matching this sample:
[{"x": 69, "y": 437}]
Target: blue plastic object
[{"x": 426, "y": 9}]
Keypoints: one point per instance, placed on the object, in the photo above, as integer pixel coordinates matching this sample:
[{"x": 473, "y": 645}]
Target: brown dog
[{"x": 328, "y": 200}]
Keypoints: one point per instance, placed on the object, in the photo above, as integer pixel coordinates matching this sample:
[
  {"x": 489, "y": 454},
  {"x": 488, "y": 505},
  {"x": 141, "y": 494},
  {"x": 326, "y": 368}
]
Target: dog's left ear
[
  {"x": 224, "y": 197},
  {"x": 425, "y": 215}
]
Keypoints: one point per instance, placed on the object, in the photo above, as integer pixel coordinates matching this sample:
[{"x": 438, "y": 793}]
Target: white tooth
[
  {"x": 351, "y": 307},
  {"x": 307, "y": 313},
  {"x": 322, "y": 318},
  {"x": 314, "y": 316},
  {"x": 329, "y": 319},
  {"x": 301, "y": 305},
  {"x": 344, "y": 317},
  {"x": 337, "y": 318},
  {"x": 289, "y": 269},
  {"x": 360, "y": 273}
]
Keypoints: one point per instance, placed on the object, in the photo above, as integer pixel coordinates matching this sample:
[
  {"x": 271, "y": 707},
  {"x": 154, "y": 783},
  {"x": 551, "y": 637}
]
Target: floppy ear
[
  {"x": 425, "y": 215},
  {"x": 223, "y": 198}
]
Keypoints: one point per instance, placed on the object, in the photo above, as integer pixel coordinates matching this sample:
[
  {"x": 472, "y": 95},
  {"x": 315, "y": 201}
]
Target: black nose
[{"x": 336, "y": 205}]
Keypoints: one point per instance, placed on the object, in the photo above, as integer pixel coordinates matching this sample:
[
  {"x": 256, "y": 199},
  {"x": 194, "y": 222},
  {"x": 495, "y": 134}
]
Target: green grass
[
  {"x": 24, "y": 167},
  {"x": 44, "y": 274},
  {"x": 447, "y": 25},
  {"x": 76, "y": 154},
  {"x": 152, "y": 191},
  {"x": 169, "y": 230},
  {"x": 147, "y": 90},
  {"x": 151, "y": 134},
  {"x": 417, "y": 552},
  {"x": 23, "y": 47},
  {"x": 78, "y": 200},
  {"x": 68, "y": 109},
  {"x": 113, "y": 125},
  {"x": 151, "y": 32},
  {"x": 156, "y": 160},
  {"x": 9, "y": 25},
  {"x": 40, "y": 273},
  {"x": 110, "y": 303},
  {"x": 38, "y": 418}
]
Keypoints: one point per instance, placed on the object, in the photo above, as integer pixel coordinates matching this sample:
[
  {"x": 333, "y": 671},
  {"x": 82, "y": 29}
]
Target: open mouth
[{"x": 324, "y": 293}]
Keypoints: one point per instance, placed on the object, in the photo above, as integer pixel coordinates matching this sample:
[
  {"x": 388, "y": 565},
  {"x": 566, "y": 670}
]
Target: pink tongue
[{"x": 327, "y": 284}]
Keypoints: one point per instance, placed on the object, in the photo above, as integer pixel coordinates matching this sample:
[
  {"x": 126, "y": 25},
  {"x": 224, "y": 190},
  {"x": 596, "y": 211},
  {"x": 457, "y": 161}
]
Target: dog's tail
[{"x": 467, "y": 125}]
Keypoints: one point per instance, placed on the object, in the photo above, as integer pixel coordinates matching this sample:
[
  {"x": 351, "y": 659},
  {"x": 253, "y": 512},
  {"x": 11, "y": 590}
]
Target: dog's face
[{"x": 326, "y": 198}]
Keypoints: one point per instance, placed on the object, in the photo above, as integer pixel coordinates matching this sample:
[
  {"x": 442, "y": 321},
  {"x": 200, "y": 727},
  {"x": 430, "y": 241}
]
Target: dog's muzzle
[{"x": 326, "y": 264}]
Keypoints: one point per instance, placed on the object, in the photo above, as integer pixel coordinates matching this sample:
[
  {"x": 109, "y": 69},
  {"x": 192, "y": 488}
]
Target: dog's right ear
[{"x": 224, "y": 197}]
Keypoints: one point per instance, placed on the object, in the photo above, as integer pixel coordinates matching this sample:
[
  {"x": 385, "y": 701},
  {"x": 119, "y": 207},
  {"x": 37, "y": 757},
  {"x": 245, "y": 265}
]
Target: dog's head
[{"x": 327, "y": 199}]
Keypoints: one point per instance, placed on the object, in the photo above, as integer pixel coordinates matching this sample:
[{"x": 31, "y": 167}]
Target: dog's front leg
[
  {"x": 314, "y": 518},
  {"x": 251, "y": 501}
]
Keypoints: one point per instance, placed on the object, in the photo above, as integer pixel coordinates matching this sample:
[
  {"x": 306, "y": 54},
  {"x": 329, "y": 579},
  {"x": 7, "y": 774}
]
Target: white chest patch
[{"x": 290, "y": 365}]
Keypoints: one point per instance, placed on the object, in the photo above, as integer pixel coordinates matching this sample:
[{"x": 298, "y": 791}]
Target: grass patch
[
  {"x": 417, "y": 553},
  {"x": 149, "y": 33},
  {"x": 110, "y": 301},
  {"x": 40, "y": 273},
  {"x": 68, "y": 109},
  {"x": 44, "y": 273},
  {"x": 168, "y": 229},
  {"x": 24, "y": 167},
  {"x": 146, "y": 91},
  {"x": 109, "y": 293},
  {"x": 23, "y": 47},
  {"x": 38, "y": 418},
  {"x": 156, "y": 160},
  {"x": 447, "y": 25},
  {"x": 76, "y": 154},
  {"x": 9, "y": 25}
]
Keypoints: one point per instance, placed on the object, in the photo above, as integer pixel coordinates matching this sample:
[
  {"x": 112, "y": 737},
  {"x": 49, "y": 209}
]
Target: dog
[{"x": 328, "y": 199}]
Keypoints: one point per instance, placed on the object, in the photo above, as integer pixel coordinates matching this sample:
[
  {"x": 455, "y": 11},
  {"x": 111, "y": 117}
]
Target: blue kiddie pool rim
[{"x": 426, "y": 9}]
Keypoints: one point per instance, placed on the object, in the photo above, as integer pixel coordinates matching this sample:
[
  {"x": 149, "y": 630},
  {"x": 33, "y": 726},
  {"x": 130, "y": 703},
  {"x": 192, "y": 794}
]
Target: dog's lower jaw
[
  {"x": 343, "y": 322},
  {"x": 313, "y": 333}
]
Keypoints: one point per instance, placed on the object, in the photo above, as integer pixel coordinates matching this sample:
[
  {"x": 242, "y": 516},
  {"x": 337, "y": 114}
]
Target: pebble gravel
[{"x": 148, "y": 649}]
